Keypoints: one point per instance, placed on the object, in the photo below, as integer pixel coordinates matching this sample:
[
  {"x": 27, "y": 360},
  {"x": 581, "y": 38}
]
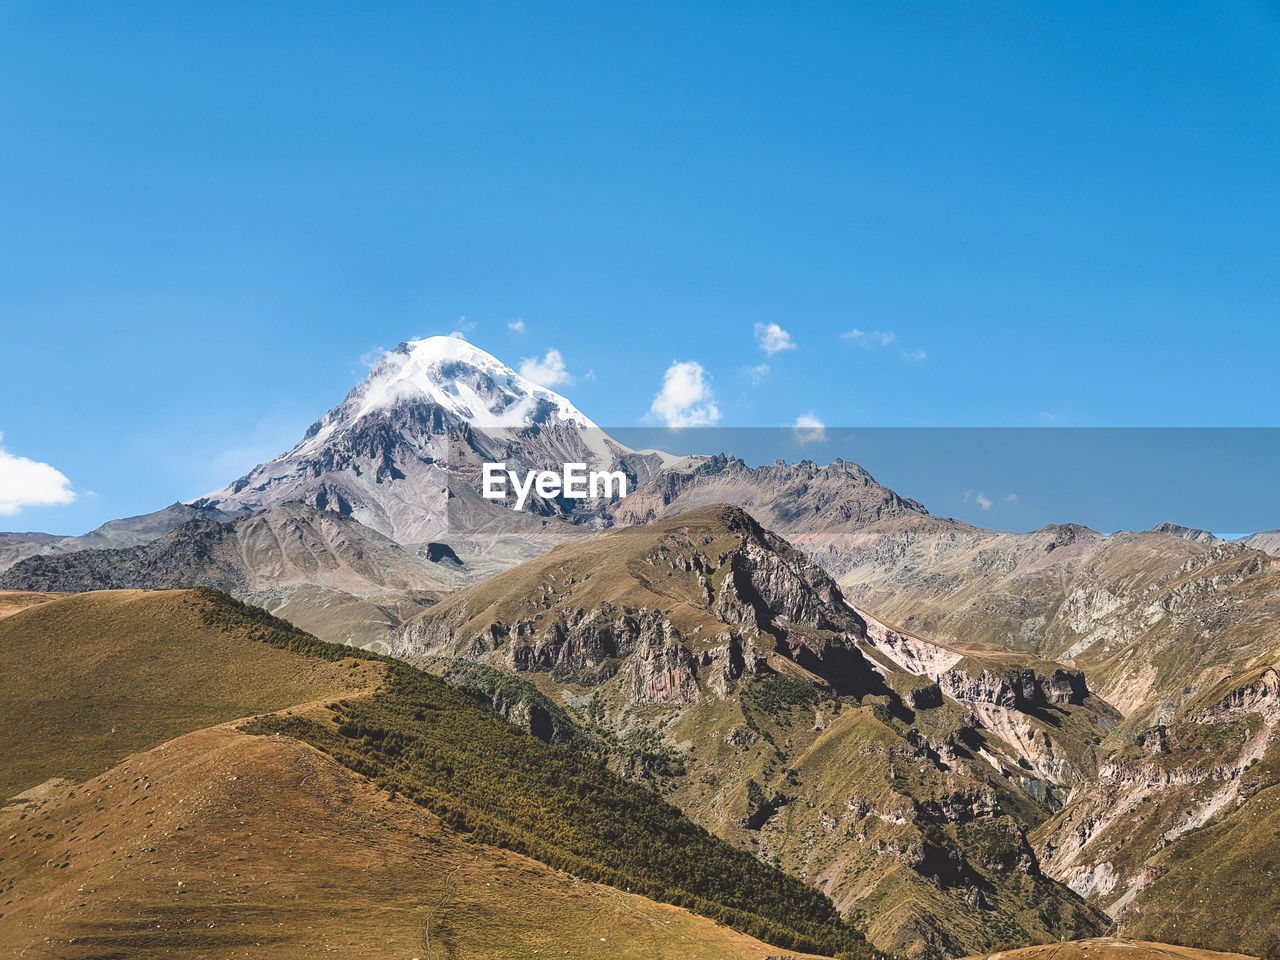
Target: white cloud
[
  {"x": 869, "y": 338},
  {"x": 983, "y": 502},
  {"x": 1011, "y": 498},
  {"x": 913, "y": 356},
  {"x": 517, "y": 325},
  {"x": 29, "y": 483},
  {"x": 773, "y": 339},
  {"x": 757, "y": 373},
  {"x": 809, "y": 429},
  {"x": 686, "y": 399},
  {"x": 370, "y": 358},
  {"x": 546, "y": 372},
  {"x": 463, "y": 329}
]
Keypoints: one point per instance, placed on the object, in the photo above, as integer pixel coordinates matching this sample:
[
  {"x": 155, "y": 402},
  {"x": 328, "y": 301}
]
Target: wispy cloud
[
  {"x": 869, "y": 338},
  {"x": 913, "y": 356},
  {"x": 757, "y": 373},
  {"x": 463, "y": 329},
  {"x": 809, "y": 429},
  {"x": 517, "y": 325},
  {"x": 369, "y": 358},
  {"x": 1011, "y": 498},
  {"x": 686, "y": 398},
  {"x": 547, "y": 372},
  {"x": 30, "y": 483},
  {"x": 772, "y": 339},
  {"x": 983, "y": 502}
]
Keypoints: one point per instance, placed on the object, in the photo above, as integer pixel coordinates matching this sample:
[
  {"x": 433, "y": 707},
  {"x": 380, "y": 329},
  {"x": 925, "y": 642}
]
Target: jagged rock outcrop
[
  {"x": 1260, "y": 696},
  {"x": 675, "y": 610},
  {"x": 663, "y": 673},
  {"x": 1018, "y": 688},
  {"x": 797, "y": 498}
]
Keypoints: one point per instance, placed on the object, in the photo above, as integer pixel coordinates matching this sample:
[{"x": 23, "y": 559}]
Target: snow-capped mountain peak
[
  {"x": 404, "y": 443},
  {"x": 464, "y": 380}
]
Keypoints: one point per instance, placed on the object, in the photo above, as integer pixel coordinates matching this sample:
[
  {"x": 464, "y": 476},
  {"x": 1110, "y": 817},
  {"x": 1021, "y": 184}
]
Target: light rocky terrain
[{"x": 1268, "y": 541}]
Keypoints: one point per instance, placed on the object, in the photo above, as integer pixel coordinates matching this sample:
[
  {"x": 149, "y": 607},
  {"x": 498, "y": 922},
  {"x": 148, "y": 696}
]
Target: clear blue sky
[{"x": 1065, "y": 214}]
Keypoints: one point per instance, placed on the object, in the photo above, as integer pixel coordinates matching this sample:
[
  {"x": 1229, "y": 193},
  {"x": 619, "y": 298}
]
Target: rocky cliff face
[{"x": 1017, "y": 688}]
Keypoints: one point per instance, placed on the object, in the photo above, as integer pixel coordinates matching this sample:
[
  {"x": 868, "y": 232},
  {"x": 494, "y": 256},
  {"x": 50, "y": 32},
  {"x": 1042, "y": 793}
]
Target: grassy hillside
[
  {"x": 1217, "y": 886},
  {"x": 219, "y": 844},
  {"x": 91, "y": 678},
  {"x": 14, "y": 601}
]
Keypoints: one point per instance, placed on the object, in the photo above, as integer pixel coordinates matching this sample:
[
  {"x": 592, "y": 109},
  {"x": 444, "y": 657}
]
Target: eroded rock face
[
  {"x": 663, "y": 673},
  {"x": 1175, "y": 778},
  {"x": 584, "y": 640},
  {"x": 1260, "y": 696},
  {"x": 1016, "y": 689}
]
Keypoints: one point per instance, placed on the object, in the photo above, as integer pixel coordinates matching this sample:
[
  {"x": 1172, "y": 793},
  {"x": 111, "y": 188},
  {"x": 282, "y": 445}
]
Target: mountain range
[{"x": 967, "y": 739}]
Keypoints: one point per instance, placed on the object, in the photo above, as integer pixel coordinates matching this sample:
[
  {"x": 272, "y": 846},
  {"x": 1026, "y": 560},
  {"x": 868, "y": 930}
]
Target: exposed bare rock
[
  {"x": 792, "y": 498},
  {"x": 1268, "y": 542},
  {"x": 1186, "y": 533}
]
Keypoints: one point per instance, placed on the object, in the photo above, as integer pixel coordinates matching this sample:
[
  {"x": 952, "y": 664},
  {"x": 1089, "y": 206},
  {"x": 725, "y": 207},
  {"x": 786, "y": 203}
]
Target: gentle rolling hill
[{"x": 94, "y": 677}]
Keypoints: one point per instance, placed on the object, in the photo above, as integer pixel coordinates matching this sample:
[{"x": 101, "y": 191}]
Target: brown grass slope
[{"x": 90, "y": 678}]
